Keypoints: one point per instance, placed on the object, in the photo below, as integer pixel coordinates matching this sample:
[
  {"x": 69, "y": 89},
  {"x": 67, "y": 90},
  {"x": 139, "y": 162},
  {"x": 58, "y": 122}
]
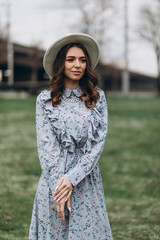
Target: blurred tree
[
  {"x": 3, "y": 32},
  {"x": 36, "y": 44},
  {"x": 149, "y": 30},
  {"x": 96, "y": 19}
]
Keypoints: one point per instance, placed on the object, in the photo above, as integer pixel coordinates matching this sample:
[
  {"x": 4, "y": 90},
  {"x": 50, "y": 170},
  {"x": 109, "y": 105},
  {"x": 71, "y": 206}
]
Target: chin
[{"x": 75, "y": 79}]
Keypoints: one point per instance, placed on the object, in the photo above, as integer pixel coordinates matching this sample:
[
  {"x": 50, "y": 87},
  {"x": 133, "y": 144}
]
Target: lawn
[{"x": 130, "y": 167}]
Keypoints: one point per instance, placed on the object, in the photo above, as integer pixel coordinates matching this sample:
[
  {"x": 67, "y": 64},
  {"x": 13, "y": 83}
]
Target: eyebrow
[{"x": 74, "y": 57}]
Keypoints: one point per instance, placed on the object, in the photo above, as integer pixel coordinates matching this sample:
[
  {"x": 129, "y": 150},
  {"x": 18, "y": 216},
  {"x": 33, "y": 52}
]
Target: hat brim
[{"x": 86, "y": 40}]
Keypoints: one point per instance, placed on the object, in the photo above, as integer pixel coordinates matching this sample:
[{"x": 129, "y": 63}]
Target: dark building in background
[
  {"x": 112, "y": 79},
  {"x": 30, "y": 76}
]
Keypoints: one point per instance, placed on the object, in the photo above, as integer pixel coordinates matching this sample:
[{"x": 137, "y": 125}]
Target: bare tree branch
[
  {"x": 149, "y": 30},
  {"x": 96, "y": 20},
  {"x": 150, "y": 26}
]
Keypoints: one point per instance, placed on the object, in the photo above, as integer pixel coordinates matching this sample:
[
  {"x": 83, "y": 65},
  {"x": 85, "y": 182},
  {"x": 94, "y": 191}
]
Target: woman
[{"x": 71, "y": 125}]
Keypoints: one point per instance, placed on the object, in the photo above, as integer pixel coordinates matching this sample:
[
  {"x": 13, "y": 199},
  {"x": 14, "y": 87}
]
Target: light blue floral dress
[{"x": 70, "y": 140}]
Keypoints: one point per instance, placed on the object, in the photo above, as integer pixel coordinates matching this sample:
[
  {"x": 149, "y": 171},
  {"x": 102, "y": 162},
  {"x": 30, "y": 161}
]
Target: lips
[{"x": 76, "y": 72}]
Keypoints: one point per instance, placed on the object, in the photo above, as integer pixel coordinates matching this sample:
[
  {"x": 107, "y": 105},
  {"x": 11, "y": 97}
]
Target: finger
[
  {"x": 69, "y": 194},
  {"x": 64, "y": 187},
  {"x": 60, "y": 191},
  {"x": 69, "y": 204},
  {"x": 61, "y": 195},
  {"x": 57, "y": 207},
  {"x": 61, "y": 209},
  {"x": 63, "y": 183},
  {"x": 59, "y": 184}
]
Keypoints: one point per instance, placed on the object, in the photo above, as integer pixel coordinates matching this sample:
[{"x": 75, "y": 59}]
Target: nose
[{"x": 77, "y": 63}]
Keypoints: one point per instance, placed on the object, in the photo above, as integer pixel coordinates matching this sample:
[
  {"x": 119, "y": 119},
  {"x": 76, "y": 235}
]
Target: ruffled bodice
[{"x": 74, "y": 125}]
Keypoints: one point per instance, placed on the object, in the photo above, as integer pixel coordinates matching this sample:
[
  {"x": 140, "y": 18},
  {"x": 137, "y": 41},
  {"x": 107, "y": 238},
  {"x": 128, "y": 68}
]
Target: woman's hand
[
  {"x": 60, "y": 207},
  {"x": 62, "y": 194},
  {"x": 64, "y": 186}
]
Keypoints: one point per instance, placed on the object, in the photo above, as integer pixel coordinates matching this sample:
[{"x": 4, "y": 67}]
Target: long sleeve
[
  {"x": 95, "y": 143},
  {"x": 48, "y": 147}
]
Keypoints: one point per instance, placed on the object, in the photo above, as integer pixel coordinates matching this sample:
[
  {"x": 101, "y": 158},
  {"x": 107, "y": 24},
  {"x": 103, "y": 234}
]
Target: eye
[
  {"x": 70, "y": 59},
  {"x": 83, "y": 60}
]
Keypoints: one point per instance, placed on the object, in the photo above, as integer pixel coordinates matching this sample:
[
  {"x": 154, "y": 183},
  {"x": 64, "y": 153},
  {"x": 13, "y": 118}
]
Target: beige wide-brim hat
[{"x": 86, "y": 40}]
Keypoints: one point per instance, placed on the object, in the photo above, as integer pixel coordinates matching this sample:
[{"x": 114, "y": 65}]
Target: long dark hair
[{"x": 87, "y": 83}]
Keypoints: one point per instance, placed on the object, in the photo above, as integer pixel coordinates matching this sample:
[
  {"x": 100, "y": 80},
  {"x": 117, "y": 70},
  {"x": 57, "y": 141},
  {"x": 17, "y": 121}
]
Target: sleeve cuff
[{"x": 75, "y": 175}]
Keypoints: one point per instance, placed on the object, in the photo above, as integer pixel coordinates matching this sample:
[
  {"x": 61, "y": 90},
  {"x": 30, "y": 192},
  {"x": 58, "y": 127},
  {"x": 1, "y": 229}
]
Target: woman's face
[{"x": 75, "y": 64}]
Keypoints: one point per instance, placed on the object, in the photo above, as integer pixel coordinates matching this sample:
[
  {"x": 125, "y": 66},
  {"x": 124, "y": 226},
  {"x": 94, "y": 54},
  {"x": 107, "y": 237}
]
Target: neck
[{"x": 71, "y": 84}]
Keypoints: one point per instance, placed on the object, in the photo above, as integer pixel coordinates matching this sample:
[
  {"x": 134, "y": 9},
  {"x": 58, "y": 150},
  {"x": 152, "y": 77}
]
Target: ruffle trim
[{"x": 96, "y": 125}]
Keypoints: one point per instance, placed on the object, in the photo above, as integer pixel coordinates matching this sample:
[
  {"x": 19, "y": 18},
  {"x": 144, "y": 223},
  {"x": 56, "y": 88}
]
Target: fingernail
[
  {"x": 56, "y": 188},
  {"x": 57, "y": 200},
  {"x": 70, "y": 209},
  {"x": 54, "y": 198},
  {"x": 66, "y": 199},
  {"x": 63, "y": 219}
]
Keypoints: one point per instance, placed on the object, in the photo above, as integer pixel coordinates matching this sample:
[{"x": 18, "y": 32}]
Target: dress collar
[{"x": 77, "y": 92}]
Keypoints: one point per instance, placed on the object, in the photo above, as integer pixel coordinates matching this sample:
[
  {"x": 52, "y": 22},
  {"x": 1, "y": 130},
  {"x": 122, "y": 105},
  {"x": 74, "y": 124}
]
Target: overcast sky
[{"x": 43, "y": 21}]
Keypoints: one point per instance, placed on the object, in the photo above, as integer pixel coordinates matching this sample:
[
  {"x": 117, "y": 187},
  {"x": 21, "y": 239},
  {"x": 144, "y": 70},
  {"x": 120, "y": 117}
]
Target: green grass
[{"x": 130, "y": 167}]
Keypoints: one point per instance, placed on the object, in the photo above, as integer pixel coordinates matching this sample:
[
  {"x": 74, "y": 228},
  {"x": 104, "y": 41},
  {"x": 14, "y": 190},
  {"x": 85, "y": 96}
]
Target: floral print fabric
[{"x": 70, "y": 140}]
